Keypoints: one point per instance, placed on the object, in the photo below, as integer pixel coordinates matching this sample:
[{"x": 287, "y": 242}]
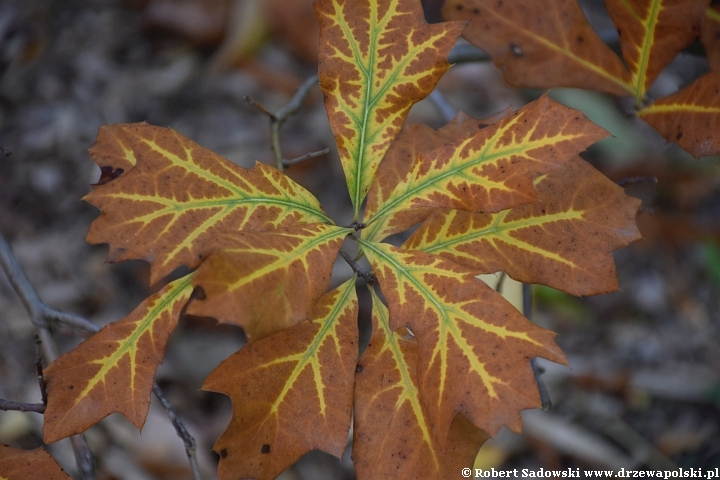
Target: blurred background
[{"x": 643, "y": 387}]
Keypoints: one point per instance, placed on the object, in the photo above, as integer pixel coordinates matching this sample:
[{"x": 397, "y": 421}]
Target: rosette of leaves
[{"x": 449, "y": 359}]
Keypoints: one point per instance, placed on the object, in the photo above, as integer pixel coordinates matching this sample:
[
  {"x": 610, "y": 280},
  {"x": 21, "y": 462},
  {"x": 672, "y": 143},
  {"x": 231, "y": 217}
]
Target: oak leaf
[
  {"x": 691, "y": 117},
  {"x": 268, "y": 281},
  {"x": 490, "y": 171},
  {"x": 391, "y": 430},
  {"x": 564, "y": 240},
  {"x": 376, "y": 60},
  {"x": 474, "y": 348},
  {"x": 17, "y": 464},
  {"x": 179, "y": 196},
  {"x": 291, "y": 392},
  {"x": 652, "y": 33},
  {"x": 541, "y": 44},
  {"x": 114, "y": 370}
]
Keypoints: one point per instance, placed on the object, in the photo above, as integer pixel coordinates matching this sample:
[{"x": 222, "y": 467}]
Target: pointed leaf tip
[
  {"x": 291, "y": 392},
  {"x": 377, "y": 59},
  {"x": 114, "y": 370}
]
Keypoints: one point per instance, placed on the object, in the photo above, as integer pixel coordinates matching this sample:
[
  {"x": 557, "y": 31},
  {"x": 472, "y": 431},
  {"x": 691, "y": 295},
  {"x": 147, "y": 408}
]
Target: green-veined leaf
[
  {"x": 564, "y": 240},
  {"x": 652, "y": 33},
  {"x": 114, "y": 370},
  {"x": 474, "y": 348},
  {"x": 377, "y": 59},
  {"x": 391, "y": 431},
  {"x": 179, "y": 195},
  {"x": 267, "y": 281},
  {"x": 292, "y": 392},
  {"x": 490, "y": 171}
]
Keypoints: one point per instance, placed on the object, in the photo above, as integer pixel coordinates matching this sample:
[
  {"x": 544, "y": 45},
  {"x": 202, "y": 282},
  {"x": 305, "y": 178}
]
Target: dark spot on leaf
[
  {"x": 678, "y": 136},
  {"x": 516, "y": 50},
  {"x": 71, "y": 387},
  {"x": 358, "y": 369},
  {"x": 223, "y": 453},
  {"x": 108, "y": 174},
  {"x": 265, "y": 448}
]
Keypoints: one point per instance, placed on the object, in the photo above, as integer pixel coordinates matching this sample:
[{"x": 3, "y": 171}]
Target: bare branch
[
  {"x": 537, "y": 370},
  {"x": 42, "y": 316},
  {"x": 6, "y": 405},
  {"x": 39, "y": 371},
  {"x": 188, "y": 440},
  {"x": 278, "y": 118},
  {"x": 307, "y": 156},
  {"x": 367, "y": 276}
]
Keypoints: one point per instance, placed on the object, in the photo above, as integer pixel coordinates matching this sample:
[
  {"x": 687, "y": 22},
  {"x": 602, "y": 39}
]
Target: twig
[
  {"x": 278, "y": 118},
  {"x": 6, "y": 405},
  {"x": 367, "y": 276},
  {"x": 35, "y": 306},
  {"x": 188, "y": 440},
  {"x": 537, "y": 370},
  {"x": 40, "y": 314},
  {"x": 636, "y": 180},
  {"x": 307, "y": 156}
]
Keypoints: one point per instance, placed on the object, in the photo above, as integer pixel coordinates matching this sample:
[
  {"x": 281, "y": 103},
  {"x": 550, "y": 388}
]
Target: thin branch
[
  {"x": 6, "y": 405},
  {"x": 41, "y": 316},
  {"x": 365, "y": 275},
  {"x": 188, "y": 440},
  {"x": 636, "y": 180},
  {"x": 279, "y": 117},
  {"x": 307, "y": 156}
]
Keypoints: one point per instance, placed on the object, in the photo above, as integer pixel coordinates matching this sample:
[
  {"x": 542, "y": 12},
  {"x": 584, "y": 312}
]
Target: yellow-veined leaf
[
  {"x": 652, "y": 33},
  {"x": 292, "y": 392},
  {"x": 564, "y": 240},
  {"x": 711, "y": 36},
  {"x": 474, "y": 348},
  {"x": 413, "y": 140},
  {"x": 17, "y": 464},
  {"x": 490, "y": 171},
  {"x": 179, "y": 195},
  {"x": 691, "y": 117},
  {"x": 114, "y": 370},
  {"x": 391, "y": 432},
  {"x": 377, "y": 59},
  {"x": 542, "y": 44},
  {"x": 265, "y": 282}
]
